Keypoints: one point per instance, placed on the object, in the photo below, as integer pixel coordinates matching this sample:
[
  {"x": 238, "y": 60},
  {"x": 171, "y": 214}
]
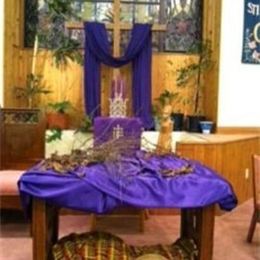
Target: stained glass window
[
  {"x": 100, "y": 11},
  {"x": 183, "y": 19},
  {"x": 184, "y": 24},
  {"x": 146, "y": 11}
]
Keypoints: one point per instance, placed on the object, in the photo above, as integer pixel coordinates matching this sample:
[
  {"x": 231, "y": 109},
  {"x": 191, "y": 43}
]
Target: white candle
[
  {"x": 116, "y": 88},
  {"x": 113, "y": 89},
  {"x": 121, "y": 88},
  {"x": 34, "y": 54}
]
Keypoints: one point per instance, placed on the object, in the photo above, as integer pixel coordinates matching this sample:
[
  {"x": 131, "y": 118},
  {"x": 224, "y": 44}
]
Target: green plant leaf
[
  {"x": 166, "y": 95},
  {"x": 85, "y": 125},
  {"x": 60, "y": 107},
  {"x": 194, "y": 72},
  {"x": 55, "y": 134},
  {"x": 34, "y": 87}
]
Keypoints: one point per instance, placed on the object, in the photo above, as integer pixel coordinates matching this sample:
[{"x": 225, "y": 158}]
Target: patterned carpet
[{"x": 229, "y": 241}]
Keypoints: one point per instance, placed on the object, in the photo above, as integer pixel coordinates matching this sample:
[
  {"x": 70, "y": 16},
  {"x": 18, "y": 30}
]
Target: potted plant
[
  {"x": 193, "y": 75},
  {"x": 167, "y": 97},
  {"x": 53, "y": 135},
  {"x": 57, "y": 117},
  {"x": 53, "y": 37},
  {"x": 85, "y": 125},
  {"x": 32, "y": 89}
]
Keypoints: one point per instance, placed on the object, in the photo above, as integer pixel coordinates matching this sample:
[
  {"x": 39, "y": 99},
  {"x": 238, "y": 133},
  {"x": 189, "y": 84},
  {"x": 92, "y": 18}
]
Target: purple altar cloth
[
  {"x": 104, "y": 126},
  {"x": 135, "y": 181}
]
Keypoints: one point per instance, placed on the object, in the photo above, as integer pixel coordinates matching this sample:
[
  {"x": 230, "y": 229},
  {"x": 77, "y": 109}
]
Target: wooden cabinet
[
  {"x": 229, "y": 155},
  {"x": 22, "y": 137}
]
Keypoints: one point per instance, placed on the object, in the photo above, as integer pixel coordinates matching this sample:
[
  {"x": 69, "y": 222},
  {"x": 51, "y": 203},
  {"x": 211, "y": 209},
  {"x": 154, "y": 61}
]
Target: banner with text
[{"x": 251, "y": 41}]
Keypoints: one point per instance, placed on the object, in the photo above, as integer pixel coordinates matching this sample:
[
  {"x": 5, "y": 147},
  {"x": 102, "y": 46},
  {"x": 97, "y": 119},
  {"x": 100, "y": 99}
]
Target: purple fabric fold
[
  {"x": 139, "y": 51},
  {"x": 132, "y": 181}
]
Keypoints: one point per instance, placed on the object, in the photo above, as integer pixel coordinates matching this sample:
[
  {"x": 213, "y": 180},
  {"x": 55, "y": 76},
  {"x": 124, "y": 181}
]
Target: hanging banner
[{"x": 251, "y": 41}]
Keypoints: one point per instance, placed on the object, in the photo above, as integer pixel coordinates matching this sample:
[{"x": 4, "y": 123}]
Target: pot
[
  {"x": 177, "y": 119},
  {"x": 57, "y": 120},
  {"x": 193, "y": 123}
]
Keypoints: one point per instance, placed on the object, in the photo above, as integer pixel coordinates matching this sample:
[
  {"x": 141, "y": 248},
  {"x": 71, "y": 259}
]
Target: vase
[
  {"x": 156, "y": 123},
  {"x": 177, "y": 119},
  {"x": 206, "y": 127},
  {"x": 193, "y": 123}
]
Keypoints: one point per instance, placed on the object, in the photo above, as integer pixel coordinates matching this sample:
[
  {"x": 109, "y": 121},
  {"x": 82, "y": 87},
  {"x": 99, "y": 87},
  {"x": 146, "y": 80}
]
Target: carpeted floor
[{"x": 229, "y": 241}]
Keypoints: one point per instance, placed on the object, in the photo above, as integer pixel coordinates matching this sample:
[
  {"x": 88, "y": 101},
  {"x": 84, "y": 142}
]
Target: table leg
[
  {"x": 199, "y": 225},
  {"x": 45, "y": 229}
]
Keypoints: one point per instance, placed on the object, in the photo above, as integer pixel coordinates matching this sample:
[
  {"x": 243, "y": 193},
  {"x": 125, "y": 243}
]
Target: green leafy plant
[
  {"x": 165, "y": 97},
  {"x": 60, "y": 8},
  {"x": 85, "y": 125},
  {"x": 54, "y": 38},
  {"x": 54, "y": 134},
  {"x": 60, "y": 107},
  {"x": 195, "y": 71},
  {"x": 155, "y": 109},
  {"x": 68, "y": 50},
  {"x": 57, "y": 116},
  {"x": 33, "y": 88}
]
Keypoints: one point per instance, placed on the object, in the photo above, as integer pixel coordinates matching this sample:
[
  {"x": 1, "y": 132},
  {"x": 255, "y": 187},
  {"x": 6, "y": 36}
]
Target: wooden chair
[
  {"x": 256, "y": 194},
  {"x": 22, "y": 145}
]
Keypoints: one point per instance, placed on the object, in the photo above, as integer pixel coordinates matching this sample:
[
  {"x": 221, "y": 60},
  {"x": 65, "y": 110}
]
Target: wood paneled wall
[
  {"x": 232, "y": 159},
  {"x": 239, "y": 130},
  {"x": 67, "y": 83},
  {"x": 211, "y": 31}
]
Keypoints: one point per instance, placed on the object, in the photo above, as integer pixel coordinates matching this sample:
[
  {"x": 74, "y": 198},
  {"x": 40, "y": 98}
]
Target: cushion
[
  {"x": 106, "y": 246},
  {"x": 92, "y": 245},
  {"x": 151, "y": 257},
  {"x": 8, "y": 182}
]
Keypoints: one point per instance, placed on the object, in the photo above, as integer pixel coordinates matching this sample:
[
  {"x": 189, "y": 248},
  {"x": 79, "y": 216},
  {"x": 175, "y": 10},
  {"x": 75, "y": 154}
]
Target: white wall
[
  {"x": 239, "y": 84},
  {"x": 1, "y": 51}
]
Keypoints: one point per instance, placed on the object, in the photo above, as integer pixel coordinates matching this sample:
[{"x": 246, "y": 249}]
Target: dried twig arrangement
[
  {"x": 108, "y": 151},
  {"x": 177, "y": 172}
]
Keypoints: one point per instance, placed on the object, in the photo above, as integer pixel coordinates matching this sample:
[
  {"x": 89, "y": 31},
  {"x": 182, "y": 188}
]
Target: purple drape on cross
[{"x": 139, "y": 51}]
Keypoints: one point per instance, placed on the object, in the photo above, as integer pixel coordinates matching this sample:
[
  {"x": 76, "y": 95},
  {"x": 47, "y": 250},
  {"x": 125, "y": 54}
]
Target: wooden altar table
[{"x": 195, "y": 223}]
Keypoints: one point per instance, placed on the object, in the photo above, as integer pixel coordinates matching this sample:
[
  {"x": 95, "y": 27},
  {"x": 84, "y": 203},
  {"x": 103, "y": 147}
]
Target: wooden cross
[{"x": 116, "y": 26}]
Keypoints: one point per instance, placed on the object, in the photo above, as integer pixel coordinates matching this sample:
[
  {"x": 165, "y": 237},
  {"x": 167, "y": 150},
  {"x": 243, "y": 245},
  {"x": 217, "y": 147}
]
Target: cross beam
[
  {"x": 116, "y": 26},
  {"x": 111, "y": 26}
]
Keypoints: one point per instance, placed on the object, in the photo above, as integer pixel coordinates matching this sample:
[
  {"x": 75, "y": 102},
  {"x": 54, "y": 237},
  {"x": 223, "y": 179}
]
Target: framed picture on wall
[{"x": 251, "y": 40}]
